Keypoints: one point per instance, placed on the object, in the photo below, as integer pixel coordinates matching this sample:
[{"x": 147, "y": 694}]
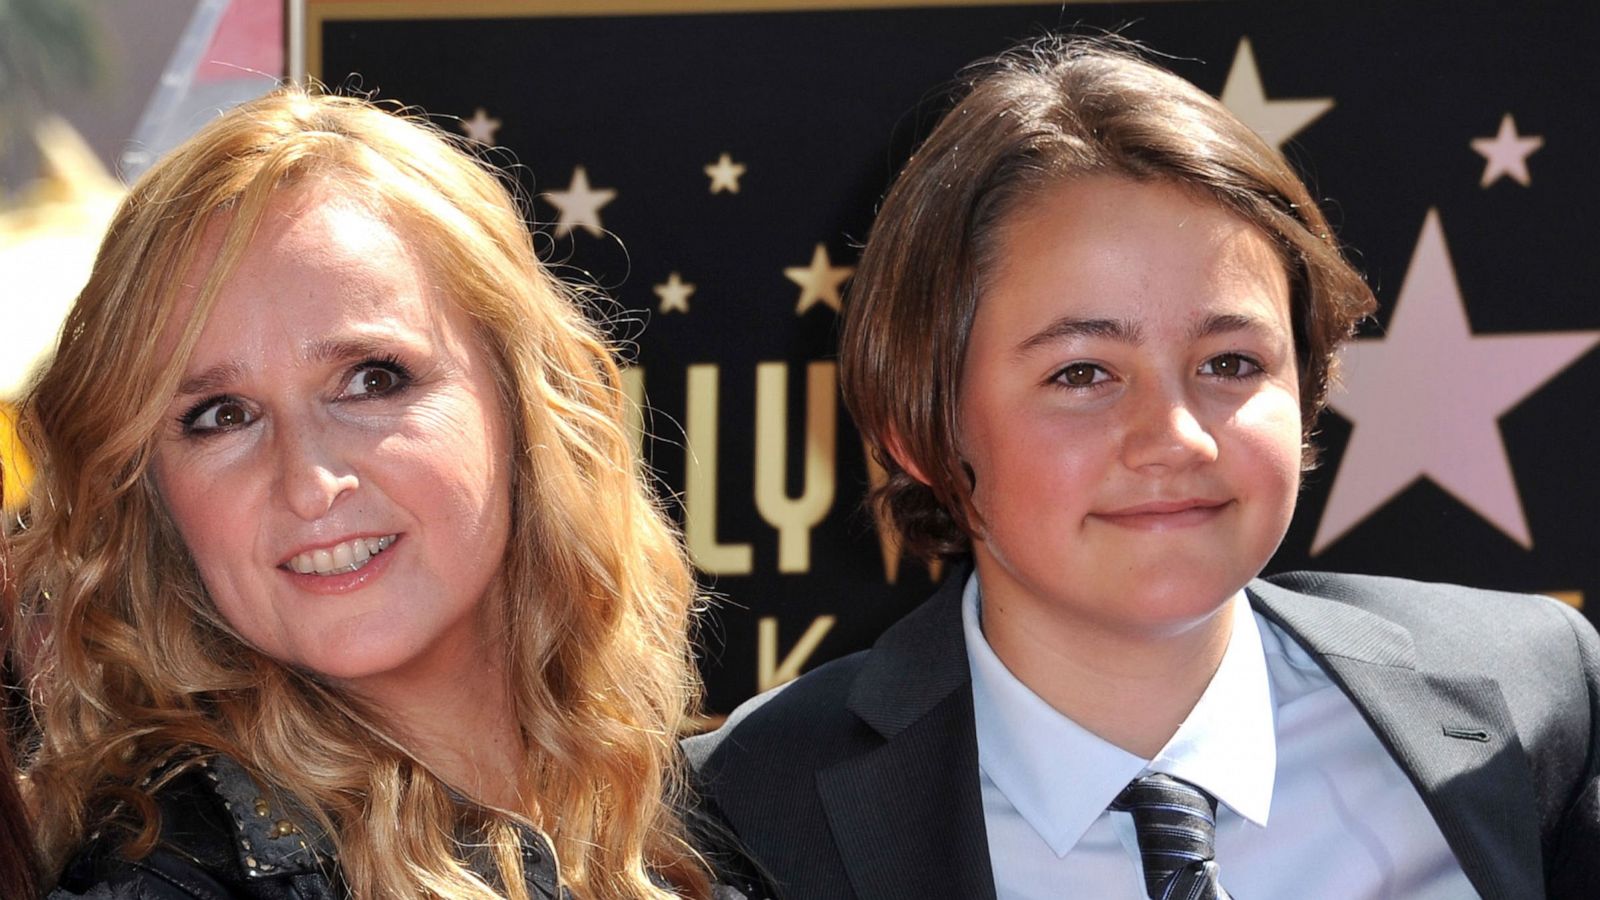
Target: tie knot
[
  {"x": 1161, "y": 794},
  {"x": 1176, "y": 823}
]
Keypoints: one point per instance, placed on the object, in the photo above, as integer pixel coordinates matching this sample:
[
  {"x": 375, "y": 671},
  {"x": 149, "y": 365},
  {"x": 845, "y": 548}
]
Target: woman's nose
[
  {"x": 313, "y": 471},
  {"x": 1166, "y": 430}
]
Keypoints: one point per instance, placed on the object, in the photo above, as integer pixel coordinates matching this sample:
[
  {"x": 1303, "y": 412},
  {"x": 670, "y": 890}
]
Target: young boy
[{"x": 1088, "y": 338}]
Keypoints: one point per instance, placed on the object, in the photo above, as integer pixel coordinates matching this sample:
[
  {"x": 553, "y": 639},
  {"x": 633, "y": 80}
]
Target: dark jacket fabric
[
  {"x": 860, "y": 780},
  {"x": 223, "y": 838}
]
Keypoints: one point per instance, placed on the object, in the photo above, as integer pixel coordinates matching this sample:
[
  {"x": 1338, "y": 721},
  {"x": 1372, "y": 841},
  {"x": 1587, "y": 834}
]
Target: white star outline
[{"x": 1425, "y": 401}]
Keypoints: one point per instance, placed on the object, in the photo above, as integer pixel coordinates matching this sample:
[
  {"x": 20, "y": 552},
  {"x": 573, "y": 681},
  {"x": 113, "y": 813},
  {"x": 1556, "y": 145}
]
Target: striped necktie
[{"x": 1176, "y": 823}]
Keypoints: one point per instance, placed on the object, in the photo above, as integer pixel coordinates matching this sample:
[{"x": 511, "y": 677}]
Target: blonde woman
[{"x": 348, "y": 580}]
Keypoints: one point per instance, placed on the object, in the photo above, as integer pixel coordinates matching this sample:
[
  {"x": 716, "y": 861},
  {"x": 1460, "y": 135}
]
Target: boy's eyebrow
[
  {"x": 1128, "y": 332},
  {"x": 1071, "y": 327},
  {"x": 1223, "y": 323}
]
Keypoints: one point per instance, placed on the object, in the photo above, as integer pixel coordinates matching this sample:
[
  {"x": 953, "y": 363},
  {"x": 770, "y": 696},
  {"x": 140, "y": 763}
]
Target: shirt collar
[{"x": 1060, "y": 777}]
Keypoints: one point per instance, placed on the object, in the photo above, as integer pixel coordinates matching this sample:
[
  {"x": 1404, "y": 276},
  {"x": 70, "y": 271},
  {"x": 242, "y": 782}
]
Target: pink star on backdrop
[
  {"x": 1425, "y": 401},
  {"x": 1507, "y": 153}
]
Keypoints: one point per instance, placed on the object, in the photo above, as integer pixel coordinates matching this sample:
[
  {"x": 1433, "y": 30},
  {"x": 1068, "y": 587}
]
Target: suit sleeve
[{"x": 1574, "y": 859}]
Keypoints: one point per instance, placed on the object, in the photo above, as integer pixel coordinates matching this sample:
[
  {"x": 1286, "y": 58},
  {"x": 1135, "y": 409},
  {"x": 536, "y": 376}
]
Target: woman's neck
[{"x": 463, "y": 726}]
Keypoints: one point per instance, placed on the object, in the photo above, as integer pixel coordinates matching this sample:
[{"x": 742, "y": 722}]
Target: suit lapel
[
  {"x": 907, "y": 815},
  {"x": 1452, "y": 735}
]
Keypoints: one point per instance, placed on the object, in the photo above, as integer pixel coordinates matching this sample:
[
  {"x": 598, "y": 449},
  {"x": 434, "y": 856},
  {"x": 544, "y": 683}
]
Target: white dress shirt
[{"x": 1310, "y": 804}]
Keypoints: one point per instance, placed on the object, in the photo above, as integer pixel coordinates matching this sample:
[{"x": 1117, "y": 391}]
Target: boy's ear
[{"x": 896, "y": 448}]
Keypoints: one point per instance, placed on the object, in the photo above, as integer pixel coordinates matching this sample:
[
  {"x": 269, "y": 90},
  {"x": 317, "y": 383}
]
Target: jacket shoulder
[
  {"x": 1442, "y": 616},
  {"x": 1543, "y": 654},
  {"x": 220, "y": 837},
  {"x": 791, "y": 716}
]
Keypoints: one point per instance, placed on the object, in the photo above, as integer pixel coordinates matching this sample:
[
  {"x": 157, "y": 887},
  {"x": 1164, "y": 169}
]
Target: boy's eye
[
  {"x": 218, "y": 415},
  {"x": 1230, "y": 365},
  {"x": 1081, "y": 374}
]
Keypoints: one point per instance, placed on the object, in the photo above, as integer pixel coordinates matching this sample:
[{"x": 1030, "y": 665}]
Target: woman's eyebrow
[
  {"x": 223, "y": 375},
  {"x": 213, "y": 379},
  {"x": 332, "y": 350}
]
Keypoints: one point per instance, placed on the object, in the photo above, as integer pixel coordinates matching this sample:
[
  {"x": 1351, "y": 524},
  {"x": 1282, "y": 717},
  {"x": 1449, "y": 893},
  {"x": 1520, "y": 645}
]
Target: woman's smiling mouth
[{"x": 341, "y": 558}]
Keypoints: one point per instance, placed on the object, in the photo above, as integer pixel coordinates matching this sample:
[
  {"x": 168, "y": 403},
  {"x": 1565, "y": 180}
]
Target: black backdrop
[{"x": 1475, "y": 465}]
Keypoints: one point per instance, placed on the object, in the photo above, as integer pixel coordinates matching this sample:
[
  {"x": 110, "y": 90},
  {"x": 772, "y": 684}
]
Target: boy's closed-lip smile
[{"x": 1165, "y": 514}]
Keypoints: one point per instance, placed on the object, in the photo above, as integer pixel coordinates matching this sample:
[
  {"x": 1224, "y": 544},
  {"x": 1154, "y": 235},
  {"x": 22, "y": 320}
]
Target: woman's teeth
[{"x": 341, "y": 558}]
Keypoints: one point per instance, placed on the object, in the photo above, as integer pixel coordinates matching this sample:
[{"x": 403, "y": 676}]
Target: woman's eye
[
  {"x": 1230, "y": 365},
  {"x": 1081, "y": 374},
  {"x": 217, "y": 415},
  {"x": 372, "y": 380}
]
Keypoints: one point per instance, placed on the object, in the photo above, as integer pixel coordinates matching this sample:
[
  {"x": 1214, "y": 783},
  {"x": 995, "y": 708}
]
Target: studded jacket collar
[{"x": 224, "y": 837}]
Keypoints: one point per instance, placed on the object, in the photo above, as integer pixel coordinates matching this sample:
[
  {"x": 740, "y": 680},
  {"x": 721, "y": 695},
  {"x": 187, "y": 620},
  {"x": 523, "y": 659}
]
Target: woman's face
[
  {"x": 336, "y": 459},
  {"x": 1129, "y": 407}
]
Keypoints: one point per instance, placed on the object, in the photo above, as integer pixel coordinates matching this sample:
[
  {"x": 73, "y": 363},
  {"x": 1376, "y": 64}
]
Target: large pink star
[{"x": 1426, "y": 398}]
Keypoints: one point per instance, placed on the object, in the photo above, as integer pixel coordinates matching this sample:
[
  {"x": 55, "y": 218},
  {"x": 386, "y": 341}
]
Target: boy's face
[{"x": 1129, "y": 407}]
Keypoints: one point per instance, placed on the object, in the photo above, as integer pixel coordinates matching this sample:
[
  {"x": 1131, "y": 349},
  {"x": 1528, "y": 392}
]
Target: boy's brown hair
[{"x": 1041, "y": 113}]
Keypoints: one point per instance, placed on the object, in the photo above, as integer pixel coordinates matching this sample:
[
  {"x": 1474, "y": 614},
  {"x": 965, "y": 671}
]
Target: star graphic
[
  {"x": 580, "y": 204},
  {"x": 1275, "y": 120},
  {"x": 1507, "y": 153},
  {"x": 1425, "y": 401},
  {"x": 725, "y": 174},
  {"x": 480, "y": 127},
  {"x": 674, "y": 294},
  {"x": 819, "y": 282}
]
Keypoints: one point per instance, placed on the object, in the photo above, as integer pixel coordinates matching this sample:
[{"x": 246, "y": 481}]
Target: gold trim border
[{"x": 313, "y": 14}]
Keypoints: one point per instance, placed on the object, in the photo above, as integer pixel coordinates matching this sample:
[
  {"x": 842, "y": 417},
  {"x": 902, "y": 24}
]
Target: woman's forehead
[{"x": 315, "y": 253}]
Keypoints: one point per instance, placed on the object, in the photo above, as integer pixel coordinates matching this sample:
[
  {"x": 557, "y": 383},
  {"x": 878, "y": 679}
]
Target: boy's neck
[{"x": 1131, "y": 688}]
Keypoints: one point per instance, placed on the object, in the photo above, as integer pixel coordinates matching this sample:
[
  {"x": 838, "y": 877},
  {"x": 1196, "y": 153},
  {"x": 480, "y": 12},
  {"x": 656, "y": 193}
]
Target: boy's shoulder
[
  {"x": 1439, "y": 619},
  {"x": 860, "y": 699},
  {"x": 1384, "y": 591},
  {"x": 803, "y": 715}
]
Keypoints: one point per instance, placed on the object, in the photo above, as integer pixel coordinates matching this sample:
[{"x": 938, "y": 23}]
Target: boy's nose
[{"x": 1167, "y": 432}]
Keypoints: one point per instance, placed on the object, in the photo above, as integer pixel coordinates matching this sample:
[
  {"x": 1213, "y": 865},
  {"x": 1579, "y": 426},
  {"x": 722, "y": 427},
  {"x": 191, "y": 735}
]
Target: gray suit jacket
[{"x": 861, "y": 778}]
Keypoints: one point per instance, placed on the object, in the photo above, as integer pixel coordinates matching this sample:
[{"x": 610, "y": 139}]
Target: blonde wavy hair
[{"x": 135, "y": 664}]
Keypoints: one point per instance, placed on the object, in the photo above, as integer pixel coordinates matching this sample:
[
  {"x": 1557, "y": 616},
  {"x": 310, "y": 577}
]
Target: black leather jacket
[{"x": 223, "y": 839}]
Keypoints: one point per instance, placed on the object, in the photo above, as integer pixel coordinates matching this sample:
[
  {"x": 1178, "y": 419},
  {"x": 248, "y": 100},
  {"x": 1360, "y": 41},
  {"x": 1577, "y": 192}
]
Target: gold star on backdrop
[
  {"x": 674, "y": 294},
  {"x": 1275, "y": 120},
  {"x": 725, "y": 174},
  {"x": 580, "y": 205},
  {"x": 480, "y": 127},
  {"x": 819, "y": 282}
]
